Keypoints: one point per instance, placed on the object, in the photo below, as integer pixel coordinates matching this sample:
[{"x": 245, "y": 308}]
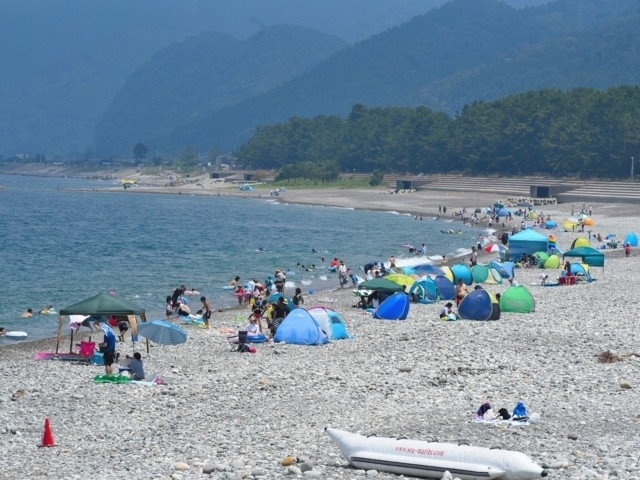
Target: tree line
[{"x": 582, "y": 132}]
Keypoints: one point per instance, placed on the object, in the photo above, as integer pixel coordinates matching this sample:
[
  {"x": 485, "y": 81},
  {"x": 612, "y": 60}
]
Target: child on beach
[{"x": 169, "y": 307}]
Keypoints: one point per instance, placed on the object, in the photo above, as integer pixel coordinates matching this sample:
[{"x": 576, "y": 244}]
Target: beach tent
[
  {"x": 380, "y": 285},
  {"x": 580, "y": 242},
  {"x": 505, "y": 269},
  {"x": 479, "y": 305},
  {"x": 461, "y": 272},
  {"x": 424, "y": 269},
  {"x": 550, "y": 224},
  {"x": 580, "y": 269},
  {"x": 552, "y": 262},
  {"x": 425, "y": 290},
  {"x": 300, "y": 328},
  {"x": 569, "y": 224},
  {"x": 396, "y": 307},
  {"x": 103, "y": 304},
  {"x": 517, "y": 299},
  {"x": 590, "y": 256},
  {"x": 446, "y": 288},
  {"x": 330, "y": 322},
  {"x": 588, "y": 222},
  {"x": 447, "y": 271},
  {"x": 485, "y": 274},
  {"x": 527, "y": 242},
  {"x": 401, "y": 279},
  {"x": 246, "y": 188},
  {"x": 631, "y": 239}
]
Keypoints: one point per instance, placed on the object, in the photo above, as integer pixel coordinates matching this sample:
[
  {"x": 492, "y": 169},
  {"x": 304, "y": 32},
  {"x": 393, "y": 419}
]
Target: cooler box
[
  {"x": 569, "y": 280},
  {"x": 96, "y": 359}
]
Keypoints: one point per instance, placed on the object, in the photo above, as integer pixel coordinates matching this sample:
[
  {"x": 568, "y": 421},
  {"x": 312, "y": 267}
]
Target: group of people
[
  {"x": 177, "y": 304},
  {"x": 44, "y": 311}
]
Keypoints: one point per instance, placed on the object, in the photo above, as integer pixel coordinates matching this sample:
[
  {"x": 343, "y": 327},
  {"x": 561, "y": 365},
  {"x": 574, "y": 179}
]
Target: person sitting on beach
[
  {"x": 183, "y": 310},
  {"x": 136, "y": 366},
  {"x": 27, "y": 314},
  {"x": 255, "y": 322},
  {"x": 447, "y": 313},
  {"x": 461, "y": 291}
]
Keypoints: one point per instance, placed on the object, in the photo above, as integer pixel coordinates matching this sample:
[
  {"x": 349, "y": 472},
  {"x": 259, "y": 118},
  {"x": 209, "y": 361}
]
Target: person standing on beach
[
  {"x": 108, "y": 349},
  {"x": 177, "y": 293},
  {"x": 342, "y": 274},
  {"x": 206, "y": 311},
  {"x": 474, "y": 256}
]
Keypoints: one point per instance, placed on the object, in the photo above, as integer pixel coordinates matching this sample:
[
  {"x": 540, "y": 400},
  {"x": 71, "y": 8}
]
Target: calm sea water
[{"x": 60, "y": 246}]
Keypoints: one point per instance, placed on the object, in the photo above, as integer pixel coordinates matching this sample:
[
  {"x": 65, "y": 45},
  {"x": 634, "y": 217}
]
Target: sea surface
[{"x": 62, "y": 241}]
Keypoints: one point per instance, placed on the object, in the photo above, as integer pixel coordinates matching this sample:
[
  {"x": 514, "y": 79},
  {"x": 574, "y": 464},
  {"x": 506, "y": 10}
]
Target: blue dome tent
[
  {"x": 505, "y": 269},
  {"x": 300, "y": 328},
  {"x": 424, "y": 290},
  {"x": 462, "y": 272},
  {"x": 479, "y": 305},
  {"x": 631, "y": 239},
  {"x": 330, "y": 322},
  {"x": 446, "y": 288},
  {"x": 396, "y": 307}
]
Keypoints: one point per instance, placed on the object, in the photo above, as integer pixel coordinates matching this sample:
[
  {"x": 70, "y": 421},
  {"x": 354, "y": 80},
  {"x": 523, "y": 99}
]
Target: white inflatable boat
[{"x": 431, "y": 459}]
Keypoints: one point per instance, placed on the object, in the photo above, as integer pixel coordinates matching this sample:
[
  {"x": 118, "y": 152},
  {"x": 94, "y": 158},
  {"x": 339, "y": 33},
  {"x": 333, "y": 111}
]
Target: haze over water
[{"x": 60, "y": 246}]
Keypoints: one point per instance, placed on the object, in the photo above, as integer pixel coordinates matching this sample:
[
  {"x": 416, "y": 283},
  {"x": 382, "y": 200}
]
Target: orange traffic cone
[{"x": 47, "y": 436}]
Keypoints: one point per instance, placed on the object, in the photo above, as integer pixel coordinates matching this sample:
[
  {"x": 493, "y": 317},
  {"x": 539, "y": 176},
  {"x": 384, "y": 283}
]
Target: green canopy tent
[
  {"x": 102, "y": 304},
  {"x": 589, "y": 256},
  {"x": 380, "y": 285}
]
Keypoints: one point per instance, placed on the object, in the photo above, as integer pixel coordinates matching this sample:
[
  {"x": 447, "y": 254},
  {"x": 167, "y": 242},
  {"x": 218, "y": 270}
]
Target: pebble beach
[{"x": 228, "y": 415}]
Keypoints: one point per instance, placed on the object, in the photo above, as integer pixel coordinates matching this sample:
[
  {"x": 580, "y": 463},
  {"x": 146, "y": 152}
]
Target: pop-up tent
[
  {"x": 396, "y": 307},
  {"x": 103, "y": 304},
  {"x": 300, "y": 328},
  {"x": 479, "y": 305},
  {"x": 580, "y": 242},
  {"x": 517, "y": 299},
  {"x": 485, "y": 274},
  {"x": 446, "y": 288},
  {"x": 552, "y": 262},
  {"x": 505, "y": 269},
  {"x": 462, "y": 272},
  {"x": 590, "y": 256},
  {"x": 527, "y": 242},
  {"x": 579, "y": 269},
  {"x": 631, "y": 239},
  {"x": 424, "y": 290},
  {"x": 330, "y": 322}
]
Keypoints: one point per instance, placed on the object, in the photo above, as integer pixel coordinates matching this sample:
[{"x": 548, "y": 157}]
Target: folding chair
[
  {"x": 87, "y": 349},
  {"x": 239, "y": 341}
]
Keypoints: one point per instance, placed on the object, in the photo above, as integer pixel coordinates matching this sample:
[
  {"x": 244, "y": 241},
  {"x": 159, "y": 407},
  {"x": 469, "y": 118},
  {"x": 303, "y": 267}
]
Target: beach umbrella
[
  {"x": 495, "y": 247},
  {"x": 162, "y": 333}
]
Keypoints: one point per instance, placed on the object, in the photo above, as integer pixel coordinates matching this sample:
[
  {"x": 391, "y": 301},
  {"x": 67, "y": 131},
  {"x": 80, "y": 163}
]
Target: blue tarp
[{"x": 300, "y": 328}]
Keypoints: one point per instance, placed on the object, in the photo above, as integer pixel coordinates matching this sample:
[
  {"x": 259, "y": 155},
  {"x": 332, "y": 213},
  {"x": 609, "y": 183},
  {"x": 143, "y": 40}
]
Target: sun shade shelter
[
  {"x": 103, "y": 304},
  {"x": 380, "y": 285},
  {"x": 589, "y": 256},
  {"x": 527, "y": 242}
]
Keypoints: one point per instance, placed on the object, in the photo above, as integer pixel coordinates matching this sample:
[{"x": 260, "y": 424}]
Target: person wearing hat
[{"x": 447, "y": 313}]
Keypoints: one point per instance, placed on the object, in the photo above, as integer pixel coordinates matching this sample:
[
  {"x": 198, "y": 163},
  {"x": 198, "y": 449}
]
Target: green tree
[
  {"x": 140, "y": 151},
  {"x": 190, "y": 156}
]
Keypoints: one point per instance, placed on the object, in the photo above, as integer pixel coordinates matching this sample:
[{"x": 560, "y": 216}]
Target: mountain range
[
  {"x": 69, "y": 63},
  {"x": 461, "y": 52}
]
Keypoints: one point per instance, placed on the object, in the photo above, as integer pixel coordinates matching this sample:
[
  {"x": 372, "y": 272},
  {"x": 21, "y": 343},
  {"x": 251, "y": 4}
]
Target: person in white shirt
[{"x": 513, "y": 282}]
